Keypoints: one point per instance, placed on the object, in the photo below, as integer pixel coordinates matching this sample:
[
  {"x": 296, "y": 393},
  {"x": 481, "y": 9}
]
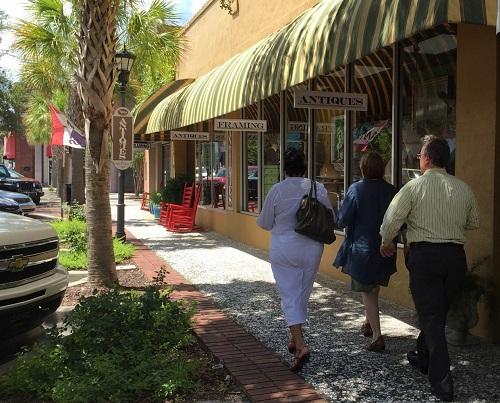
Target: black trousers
[{"x": 437, "y": 272}]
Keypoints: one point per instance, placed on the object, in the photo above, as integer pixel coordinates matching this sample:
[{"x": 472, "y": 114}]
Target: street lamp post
[{"x": 124, "y": 60}]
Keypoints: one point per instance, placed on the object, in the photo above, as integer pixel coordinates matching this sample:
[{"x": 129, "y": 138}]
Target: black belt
[{"x": 423, "y": 243}]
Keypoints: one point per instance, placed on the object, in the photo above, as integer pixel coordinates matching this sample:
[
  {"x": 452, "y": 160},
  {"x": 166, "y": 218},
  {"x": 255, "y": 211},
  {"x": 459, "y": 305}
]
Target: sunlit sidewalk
[{"x": 238, "y": 278}]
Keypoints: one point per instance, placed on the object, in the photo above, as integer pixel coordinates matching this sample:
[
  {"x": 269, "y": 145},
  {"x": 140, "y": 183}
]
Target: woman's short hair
[
  {"x": 437, "y": 149},
  {"x": 372, "y": 165},
  {"x": 295, "y": 162}
]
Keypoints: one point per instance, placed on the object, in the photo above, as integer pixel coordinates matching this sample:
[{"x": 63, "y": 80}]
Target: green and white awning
[
  {"x": 143, "y": 111},
  {"x": 329, "y": 35}
]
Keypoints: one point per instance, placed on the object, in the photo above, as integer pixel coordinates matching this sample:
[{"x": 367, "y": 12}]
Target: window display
[
  {"x": 372, "y": 130},
  {"x": 428, "y": 89},
  {"x": 297, "y": 127},
  {"x": 271, "y": 143},
  {"x": 329, "y": 140}
]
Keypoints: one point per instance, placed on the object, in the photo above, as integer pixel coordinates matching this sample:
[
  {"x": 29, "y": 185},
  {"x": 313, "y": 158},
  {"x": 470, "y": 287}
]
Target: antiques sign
[
  {"x": 142, "y": 145},
  {"x": 330, "y": 100},
  {"x": 240, "y": 125},
  {"x": 123, "y": 141},
  {"x": 189, "y": 135}
]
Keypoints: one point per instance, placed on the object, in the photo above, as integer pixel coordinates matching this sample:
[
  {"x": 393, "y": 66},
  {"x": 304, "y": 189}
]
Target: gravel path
[{"x": 239, "y": 279}]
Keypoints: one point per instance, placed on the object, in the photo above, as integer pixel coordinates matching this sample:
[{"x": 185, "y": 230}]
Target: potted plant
[
  {"x": 463, "y": 313},
  {"x": 172, "y": 192},
  {"x": 155, "y": 199}
]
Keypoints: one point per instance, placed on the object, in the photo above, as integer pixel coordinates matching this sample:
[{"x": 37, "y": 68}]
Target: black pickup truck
[{"x": 15, "y": 182}]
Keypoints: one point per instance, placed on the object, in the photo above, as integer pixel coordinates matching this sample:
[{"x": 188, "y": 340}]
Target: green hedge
[
  {"x": 73, "y": 237},
  {"x": 123, "y": 346}
]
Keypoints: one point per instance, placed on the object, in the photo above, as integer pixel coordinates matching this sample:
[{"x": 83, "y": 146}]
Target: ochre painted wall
[
  {"x": 476, "y": 139},
  {"x": 214, "y": 36}
]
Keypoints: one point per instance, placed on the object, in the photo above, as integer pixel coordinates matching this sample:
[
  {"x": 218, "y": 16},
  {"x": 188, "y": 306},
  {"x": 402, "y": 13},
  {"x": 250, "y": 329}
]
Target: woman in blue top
[{"x": 362, "y": 212}]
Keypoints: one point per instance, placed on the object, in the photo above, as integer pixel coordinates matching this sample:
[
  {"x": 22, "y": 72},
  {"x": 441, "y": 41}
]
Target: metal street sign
[
  {"x": 174, "y": 135},
  {"x": 240, "y": 125},
  {"x": 123, "y": 139},
  {"x": 142, "y": 145},
  {"x": 330, "y": 100}
]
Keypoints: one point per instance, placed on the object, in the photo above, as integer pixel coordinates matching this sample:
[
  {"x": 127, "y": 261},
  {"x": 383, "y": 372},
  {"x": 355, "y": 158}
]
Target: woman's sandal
[
  {"x": 300, "y": 359},
  {"x": 291, "y": 347}
]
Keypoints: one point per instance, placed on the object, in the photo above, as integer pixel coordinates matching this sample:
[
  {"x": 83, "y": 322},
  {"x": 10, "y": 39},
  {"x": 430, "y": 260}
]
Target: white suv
[{"x": 32, "y": 284}]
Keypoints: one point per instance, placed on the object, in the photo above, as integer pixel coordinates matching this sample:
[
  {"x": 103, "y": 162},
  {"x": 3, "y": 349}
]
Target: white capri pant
[{"x": 294, "y": 262}]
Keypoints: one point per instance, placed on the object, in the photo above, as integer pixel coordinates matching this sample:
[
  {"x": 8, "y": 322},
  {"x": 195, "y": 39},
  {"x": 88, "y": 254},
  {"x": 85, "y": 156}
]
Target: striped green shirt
[{"x": 437, "y": 207}]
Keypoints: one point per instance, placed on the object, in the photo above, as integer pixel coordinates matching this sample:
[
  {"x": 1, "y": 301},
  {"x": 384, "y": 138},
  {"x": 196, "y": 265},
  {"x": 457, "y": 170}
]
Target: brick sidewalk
[{"x": 260, "y": 372}]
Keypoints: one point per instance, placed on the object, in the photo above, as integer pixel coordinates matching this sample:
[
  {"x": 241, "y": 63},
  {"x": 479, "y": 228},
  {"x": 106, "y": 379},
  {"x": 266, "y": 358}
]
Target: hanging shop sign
[
  {"x": 142, "y": 145},
  {"x": 330, "y": 100},
  {"x": 241, "y": 125},
  {"x": 189, "y": 135},
  {"x": 297, "y": 127},
  {"x": 219, "y": 136},
  {"x": 122, "y": 126}
]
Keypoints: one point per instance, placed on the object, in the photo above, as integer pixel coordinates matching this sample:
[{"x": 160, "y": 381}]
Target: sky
[{"x": 15, "y": 9}]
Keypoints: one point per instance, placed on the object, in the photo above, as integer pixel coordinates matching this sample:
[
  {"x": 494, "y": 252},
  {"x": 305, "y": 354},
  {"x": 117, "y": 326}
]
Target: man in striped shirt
[{"x": 437, "y": 208}]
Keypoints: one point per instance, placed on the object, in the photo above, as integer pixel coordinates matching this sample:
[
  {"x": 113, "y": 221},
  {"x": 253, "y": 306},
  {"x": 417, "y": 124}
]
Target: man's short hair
[
  {"x": 295, "y": 162},
  {"x": 372, "y": 165},
  {"x": 437, "y": 149}
]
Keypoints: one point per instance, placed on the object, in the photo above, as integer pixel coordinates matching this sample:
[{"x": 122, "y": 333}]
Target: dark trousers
[{"x": 436, "y": 275}]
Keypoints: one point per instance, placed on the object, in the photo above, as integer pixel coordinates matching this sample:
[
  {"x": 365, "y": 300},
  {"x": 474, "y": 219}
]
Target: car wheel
[{"x": 36, "y": 200}]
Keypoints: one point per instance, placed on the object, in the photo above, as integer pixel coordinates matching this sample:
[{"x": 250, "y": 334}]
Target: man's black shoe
[
  {"x": 412, "y": 357},
  {"x": 444, "y": 389}
]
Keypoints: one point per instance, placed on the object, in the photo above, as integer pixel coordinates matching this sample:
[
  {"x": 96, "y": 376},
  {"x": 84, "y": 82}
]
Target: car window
[
  {"x": 14, "y": 174},
  {"x": 3, "y": 172},
  {"x": 221, "y": 173}
]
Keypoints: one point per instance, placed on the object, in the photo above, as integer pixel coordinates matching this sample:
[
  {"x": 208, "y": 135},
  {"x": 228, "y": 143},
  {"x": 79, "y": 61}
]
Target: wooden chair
[
  {"x": 182, "y": 219},
  {"x": 145, "y": 201},
  {"x": 187, "y": 199}
]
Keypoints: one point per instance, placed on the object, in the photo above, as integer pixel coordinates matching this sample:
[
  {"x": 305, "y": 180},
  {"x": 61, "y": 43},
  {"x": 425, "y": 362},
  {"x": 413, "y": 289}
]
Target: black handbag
[{"x": 314, "y": 219}]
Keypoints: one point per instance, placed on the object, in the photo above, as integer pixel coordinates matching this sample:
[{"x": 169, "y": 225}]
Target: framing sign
[
  {"x": 240, "y": 125},
  {"x": 123, "y": 138},
  {"x": 189, "y": 135},
  {"x": 348, "y": 101}
]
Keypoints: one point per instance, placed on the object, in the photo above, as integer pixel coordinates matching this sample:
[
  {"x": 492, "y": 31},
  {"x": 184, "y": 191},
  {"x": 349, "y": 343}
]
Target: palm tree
[
  {"x": 152, "y": 34},
  {"x": 96, "y": 79}
]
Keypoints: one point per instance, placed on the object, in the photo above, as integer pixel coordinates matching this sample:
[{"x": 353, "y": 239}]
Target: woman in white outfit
[{"x": 294, "y": 257}]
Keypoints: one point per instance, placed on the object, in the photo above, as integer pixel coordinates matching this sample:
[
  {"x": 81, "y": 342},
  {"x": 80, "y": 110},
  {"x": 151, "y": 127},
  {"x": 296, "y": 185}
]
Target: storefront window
[
  {"x": 251, "y": 166},
  {"x": 329, "y": 140},
  {"x": 429, "y": 97},
  {"x": 211, "y": 171},
  {"x": 297, "y": 126},
  {"x": 372, "y": 130},
  {"x": 271, "y": 143}
]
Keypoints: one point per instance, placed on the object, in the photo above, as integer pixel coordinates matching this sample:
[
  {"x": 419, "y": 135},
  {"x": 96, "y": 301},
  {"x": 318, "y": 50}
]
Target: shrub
[
  {"x": 73, "y": 260},
  {"x": 123, "y": 251},
  {"x": 75, "y": 211},
  {"x": 73, "y": 235},
  {"x": 172, "y": 192},
  {"x": 122, "y": 346}
]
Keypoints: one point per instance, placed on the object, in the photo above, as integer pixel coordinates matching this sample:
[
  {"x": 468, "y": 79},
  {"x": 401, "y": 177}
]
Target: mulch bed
[{"x": 217, "y": 384}]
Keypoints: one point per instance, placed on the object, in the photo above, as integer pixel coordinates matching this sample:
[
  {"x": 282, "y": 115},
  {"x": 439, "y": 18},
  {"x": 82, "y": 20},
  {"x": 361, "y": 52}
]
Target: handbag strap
[{"x": 313, "y": 186}]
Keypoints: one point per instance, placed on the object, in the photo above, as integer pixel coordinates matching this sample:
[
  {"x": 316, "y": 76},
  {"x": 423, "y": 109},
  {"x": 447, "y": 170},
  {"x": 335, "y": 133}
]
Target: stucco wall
[
  {"x": 214, "y": 36},
  {"x": 476, "y": 145}
]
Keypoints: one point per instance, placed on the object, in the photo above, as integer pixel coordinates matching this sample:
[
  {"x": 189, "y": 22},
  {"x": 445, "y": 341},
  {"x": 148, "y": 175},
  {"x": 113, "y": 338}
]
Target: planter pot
[
  {"x": 462, "y": 317},
  {"x": 156, "y": 211}
]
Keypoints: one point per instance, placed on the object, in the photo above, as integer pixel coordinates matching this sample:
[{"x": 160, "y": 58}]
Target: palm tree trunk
[{"x": 96, "y": 79}]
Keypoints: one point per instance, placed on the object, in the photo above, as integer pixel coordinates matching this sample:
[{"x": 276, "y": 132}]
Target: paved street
[{"x": 238, "y": 278}]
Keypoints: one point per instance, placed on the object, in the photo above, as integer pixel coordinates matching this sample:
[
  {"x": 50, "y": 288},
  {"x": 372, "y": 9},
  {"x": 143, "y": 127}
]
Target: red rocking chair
[
  {"x": 145, "y": 201},
  {"x": 182, "y": 219},
  {"x": 187, "y": 198}
]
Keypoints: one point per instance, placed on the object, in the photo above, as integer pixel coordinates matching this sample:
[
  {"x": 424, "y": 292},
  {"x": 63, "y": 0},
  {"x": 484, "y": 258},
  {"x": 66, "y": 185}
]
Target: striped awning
[
  {"x": 329, "y": 35},
  {"x": 143, "y": 111}
]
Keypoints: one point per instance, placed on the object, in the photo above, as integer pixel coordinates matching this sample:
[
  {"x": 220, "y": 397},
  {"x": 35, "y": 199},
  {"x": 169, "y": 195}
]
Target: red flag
[{"x": 64, "y": 133}]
